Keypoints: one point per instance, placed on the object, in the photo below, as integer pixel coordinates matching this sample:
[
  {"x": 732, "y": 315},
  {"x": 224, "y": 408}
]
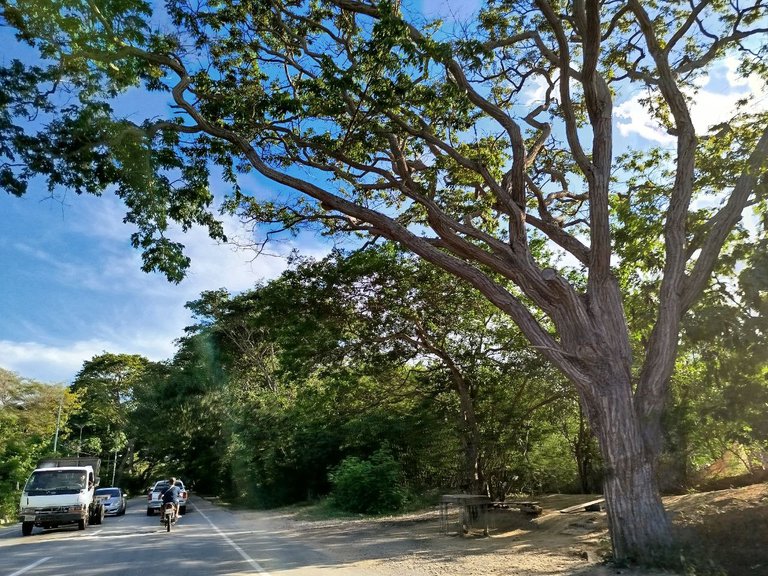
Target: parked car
[
  {"x": 113, "y": 499},
  {"x": 155, "y": 496}
]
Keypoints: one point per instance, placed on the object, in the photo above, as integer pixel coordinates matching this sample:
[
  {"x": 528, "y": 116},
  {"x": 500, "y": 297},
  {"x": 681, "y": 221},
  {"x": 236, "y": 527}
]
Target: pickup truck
[
  {"x": 155, "y": 496},
  {"x": 60, "y": 491}
]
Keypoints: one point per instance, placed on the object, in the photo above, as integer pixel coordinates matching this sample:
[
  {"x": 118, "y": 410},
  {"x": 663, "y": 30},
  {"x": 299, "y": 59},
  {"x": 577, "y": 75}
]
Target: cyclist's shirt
[{"x": 171, "y": 495}]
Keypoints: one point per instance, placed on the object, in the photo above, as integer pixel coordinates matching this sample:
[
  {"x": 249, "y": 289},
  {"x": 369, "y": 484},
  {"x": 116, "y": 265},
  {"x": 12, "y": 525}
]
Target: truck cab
[{"x": 61, "y": 492}]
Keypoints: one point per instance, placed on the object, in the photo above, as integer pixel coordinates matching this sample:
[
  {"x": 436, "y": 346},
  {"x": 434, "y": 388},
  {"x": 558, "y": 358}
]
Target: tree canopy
[{"x": 487, "y": 149}]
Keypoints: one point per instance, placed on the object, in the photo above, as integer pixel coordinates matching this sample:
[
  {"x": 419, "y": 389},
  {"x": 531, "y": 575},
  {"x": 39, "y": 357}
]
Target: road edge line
[{"x": 256, "y": 566}]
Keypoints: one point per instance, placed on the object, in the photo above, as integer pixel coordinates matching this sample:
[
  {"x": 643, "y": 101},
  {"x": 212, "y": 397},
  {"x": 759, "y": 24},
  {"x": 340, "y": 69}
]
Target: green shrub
[{"x": 370, "y": 486}]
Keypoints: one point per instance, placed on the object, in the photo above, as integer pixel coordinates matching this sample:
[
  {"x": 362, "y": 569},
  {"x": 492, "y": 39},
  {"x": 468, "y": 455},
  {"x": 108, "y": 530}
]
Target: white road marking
[
  {"x": 28, "y": 568},
  {"x": 255, "y": 565}
]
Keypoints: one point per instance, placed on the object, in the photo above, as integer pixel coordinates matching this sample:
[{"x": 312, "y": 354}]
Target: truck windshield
[{"x": 44, "y": 482}]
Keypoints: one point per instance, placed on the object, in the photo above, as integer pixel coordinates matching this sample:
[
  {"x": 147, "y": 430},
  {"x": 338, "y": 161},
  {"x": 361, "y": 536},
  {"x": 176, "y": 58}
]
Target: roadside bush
[{"x": 370, "y": 486}]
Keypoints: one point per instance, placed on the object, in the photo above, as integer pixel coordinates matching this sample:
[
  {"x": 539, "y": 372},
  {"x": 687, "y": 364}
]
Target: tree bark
[
  {"x": 640, "y": 528},
  {"x": 473, "y": 480}
]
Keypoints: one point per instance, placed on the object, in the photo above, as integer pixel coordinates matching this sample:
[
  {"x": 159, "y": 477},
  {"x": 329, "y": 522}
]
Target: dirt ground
[{"x": 724, "y": 533}]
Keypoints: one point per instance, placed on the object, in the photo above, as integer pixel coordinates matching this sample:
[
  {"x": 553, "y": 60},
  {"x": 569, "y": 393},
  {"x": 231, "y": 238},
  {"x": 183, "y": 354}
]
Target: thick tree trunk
[
  {"x": 640, "y": 528},
  {"x": 473, "y": 480}
]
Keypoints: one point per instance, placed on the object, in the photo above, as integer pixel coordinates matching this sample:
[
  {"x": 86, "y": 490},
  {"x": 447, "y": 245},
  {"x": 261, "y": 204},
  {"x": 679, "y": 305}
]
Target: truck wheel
[
  {"x": 182, "y": 510},
  {"x": 81, "y": 524},
  {"x": 99, "y": 517},
  {"x": 26, "y": 528},
  {"x": 149, "y": 512}
]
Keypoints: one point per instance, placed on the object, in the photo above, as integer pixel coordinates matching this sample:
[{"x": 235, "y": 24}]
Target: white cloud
[
  {"x": 753, "y": 84},
  {"x": 111, "y": 265},
  {"x": 213, "y": 264},
  {"x": 633, "y": 118},
  {"x": 60, "y": 362},
  {"x": 713, "y": 103},
  {"x": 48, "y": 363},
  {"x": 712, "y": 106}
]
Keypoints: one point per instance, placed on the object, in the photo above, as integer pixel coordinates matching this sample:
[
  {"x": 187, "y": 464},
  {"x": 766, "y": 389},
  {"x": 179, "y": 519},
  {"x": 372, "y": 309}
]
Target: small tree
[
  {"x": 29, "y": 414},
  {"x": 371, "y": 486}
]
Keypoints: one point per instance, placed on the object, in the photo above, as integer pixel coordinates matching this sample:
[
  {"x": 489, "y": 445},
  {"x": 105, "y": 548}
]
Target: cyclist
[{"x": 171, "y": 495}]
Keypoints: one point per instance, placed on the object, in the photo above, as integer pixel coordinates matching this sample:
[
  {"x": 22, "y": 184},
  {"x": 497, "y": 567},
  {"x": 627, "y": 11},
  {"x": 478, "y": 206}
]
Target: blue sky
[{"x": 71, "y": 286}]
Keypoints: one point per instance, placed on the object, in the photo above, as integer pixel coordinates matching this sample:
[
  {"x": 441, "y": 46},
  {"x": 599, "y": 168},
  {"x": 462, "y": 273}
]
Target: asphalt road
[{"x": 207, "y": 541}]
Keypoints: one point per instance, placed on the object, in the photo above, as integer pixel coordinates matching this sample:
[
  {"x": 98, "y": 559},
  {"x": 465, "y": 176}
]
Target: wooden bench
[{"x": 592, "y": 506}]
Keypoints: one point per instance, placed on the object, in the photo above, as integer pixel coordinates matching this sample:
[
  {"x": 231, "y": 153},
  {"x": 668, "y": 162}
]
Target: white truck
[{"x": 60, "y": 491}]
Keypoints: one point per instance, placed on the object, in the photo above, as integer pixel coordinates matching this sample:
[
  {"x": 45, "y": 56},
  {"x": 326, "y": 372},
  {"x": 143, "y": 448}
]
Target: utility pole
[
  {"x": 80, "y": 441},
  {"x": 58, "y": 420}
]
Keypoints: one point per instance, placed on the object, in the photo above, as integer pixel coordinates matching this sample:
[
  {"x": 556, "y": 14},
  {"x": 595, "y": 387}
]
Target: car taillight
[
  {"x": 184, "y": 494},
  {"x": 149, "y": 496}
]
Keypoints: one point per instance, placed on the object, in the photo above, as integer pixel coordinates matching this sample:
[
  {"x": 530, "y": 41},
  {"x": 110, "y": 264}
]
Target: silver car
[{"x": 113, "y": 500}]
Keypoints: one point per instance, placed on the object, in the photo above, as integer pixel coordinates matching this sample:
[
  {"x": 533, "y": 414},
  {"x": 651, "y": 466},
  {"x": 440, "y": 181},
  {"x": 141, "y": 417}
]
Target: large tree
[
  {"x": 468, "y": 146},
  {"x": 105, "y": 384}
]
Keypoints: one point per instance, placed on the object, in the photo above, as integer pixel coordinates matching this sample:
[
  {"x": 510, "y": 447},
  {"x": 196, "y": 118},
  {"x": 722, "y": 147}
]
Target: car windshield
[
  {"x": 55, "y": 482},
  {"x": 108, "y": 491}
]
